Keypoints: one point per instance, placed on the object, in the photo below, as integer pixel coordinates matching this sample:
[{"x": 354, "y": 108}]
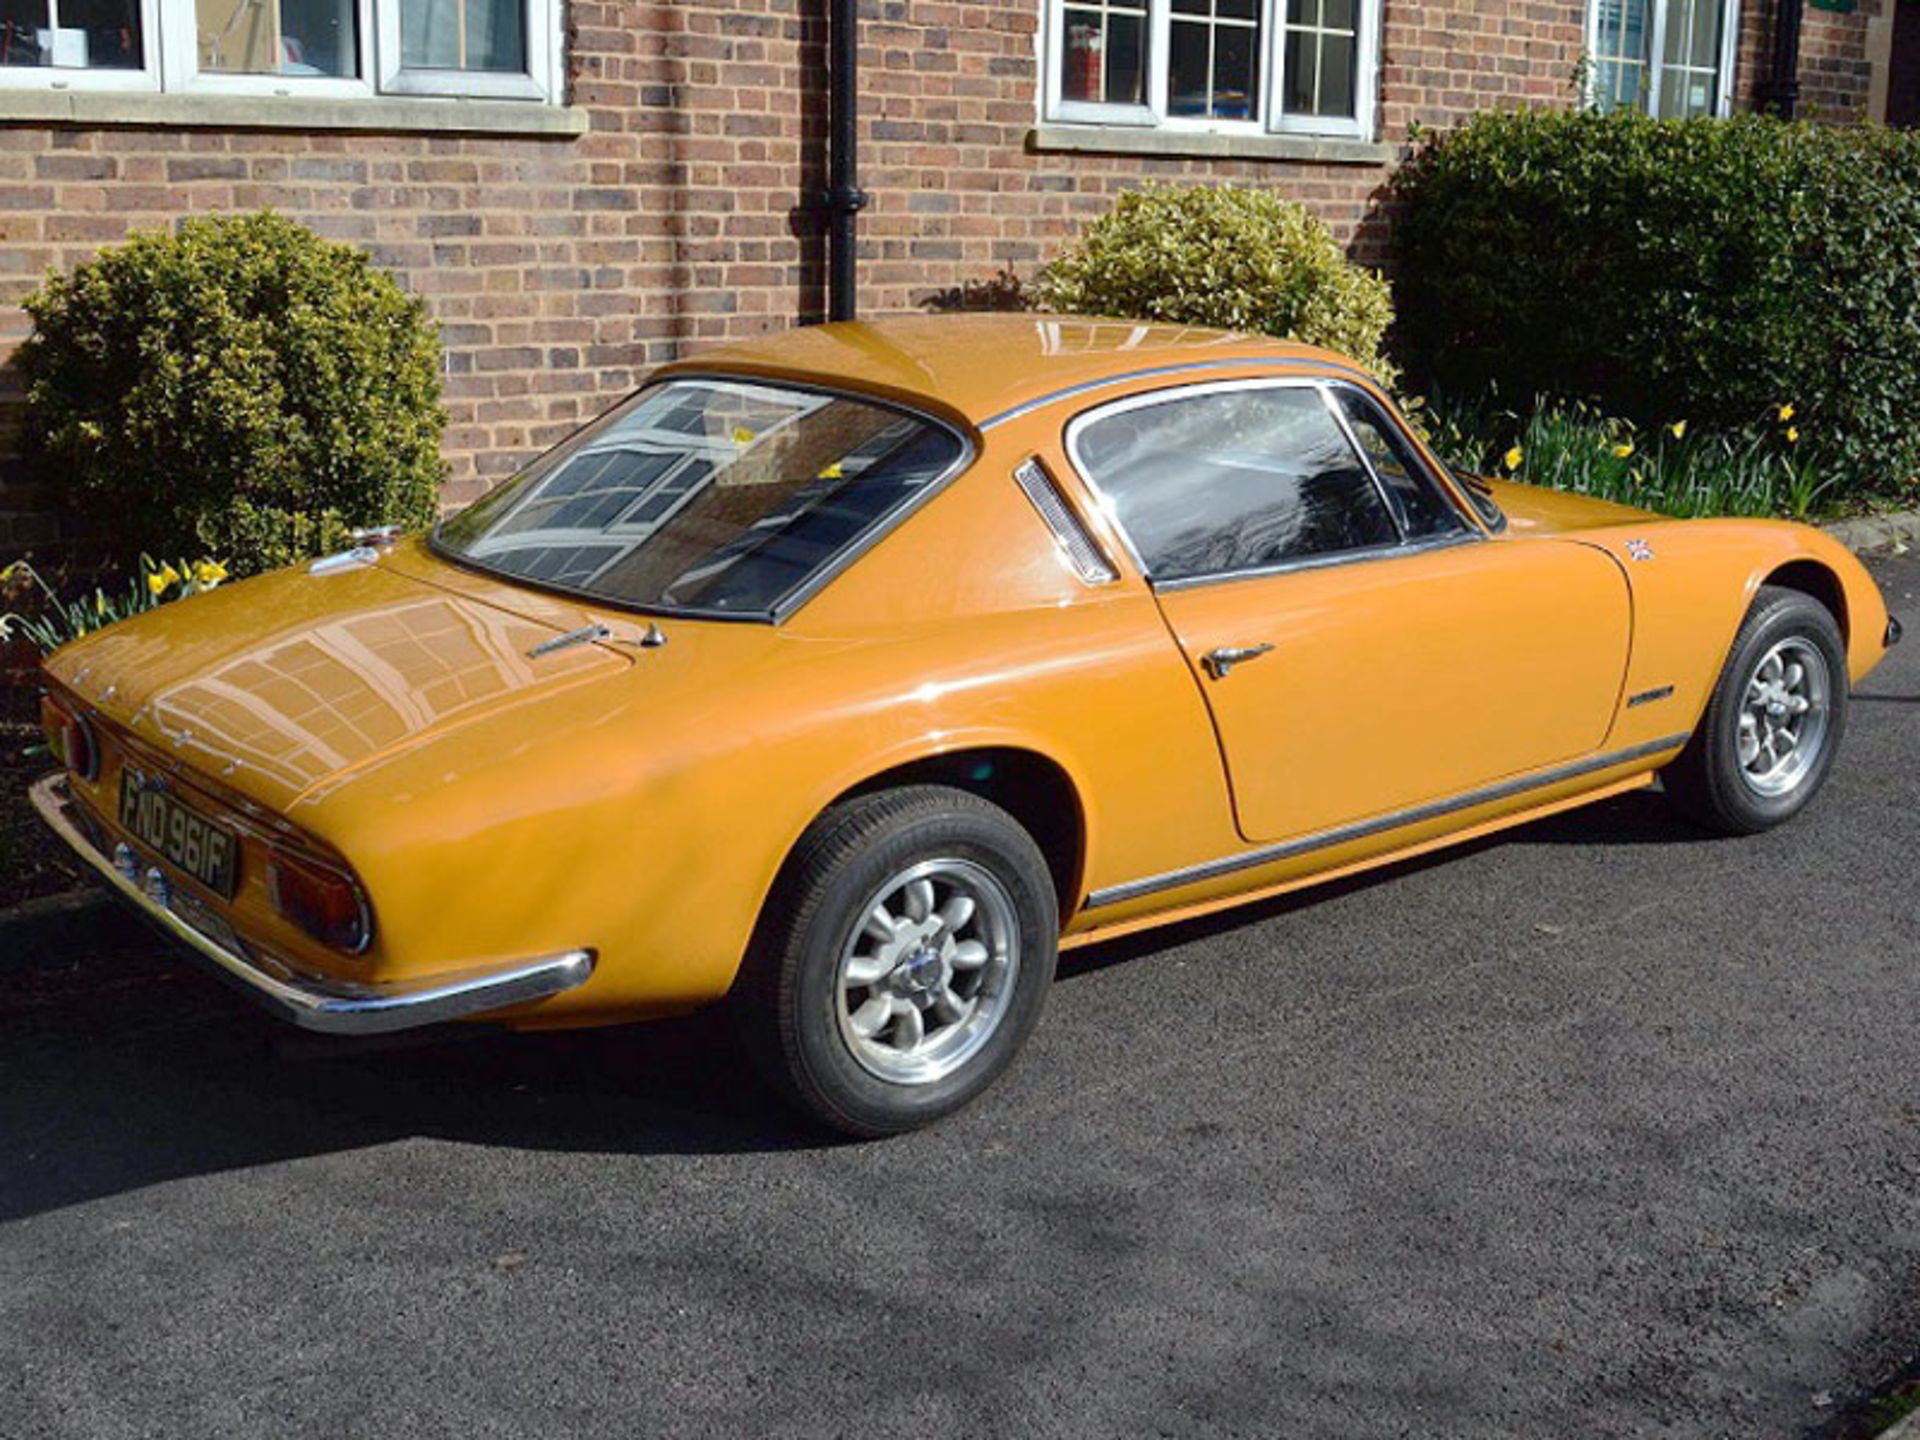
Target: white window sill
[
  {"x": 1204, "y": 144},
  {"x": 290, "y": 112}
]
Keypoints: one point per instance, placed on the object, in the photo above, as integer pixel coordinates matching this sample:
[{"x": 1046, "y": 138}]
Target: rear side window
[
  {"x": 1231, "y": 480},
  {"x": 715, "y": 497},
  {"x": 1423, "y": 510}
]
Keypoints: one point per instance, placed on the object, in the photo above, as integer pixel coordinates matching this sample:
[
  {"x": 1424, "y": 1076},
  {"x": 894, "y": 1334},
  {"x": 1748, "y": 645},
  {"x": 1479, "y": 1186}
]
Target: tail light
[
  {"x": 69, "y": 737},
  {"x": 325, "y": 902}
]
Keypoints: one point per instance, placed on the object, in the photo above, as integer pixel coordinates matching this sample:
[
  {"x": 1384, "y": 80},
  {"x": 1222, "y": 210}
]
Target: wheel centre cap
[{"x": 921, "y": 971}]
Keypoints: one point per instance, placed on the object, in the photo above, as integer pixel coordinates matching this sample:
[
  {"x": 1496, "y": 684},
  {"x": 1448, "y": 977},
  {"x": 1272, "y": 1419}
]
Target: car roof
[{"x": 979, "y": 368}]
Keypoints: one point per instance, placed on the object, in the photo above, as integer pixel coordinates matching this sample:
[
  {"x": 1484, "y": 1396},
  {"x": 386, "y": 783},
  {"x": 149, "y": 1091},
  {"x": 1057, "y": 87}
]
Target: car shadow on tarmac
[{"x": 127, "y": 1067}]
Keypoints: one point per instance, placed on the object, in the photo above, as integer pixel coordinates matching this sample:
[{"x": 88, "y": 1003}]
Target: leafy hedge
[
  {"x": 242, "y": 387},
  {"x": 1698, "y": 270},
  {"x": 1236, "y": 259}
]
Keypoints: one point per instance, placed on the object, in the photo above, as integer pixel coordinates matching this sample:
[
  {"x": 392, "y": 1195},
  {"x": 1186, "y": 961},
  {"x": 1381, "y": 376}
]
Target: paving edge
[
  {"x": 1878, "y": 535},
  {"x": 1907, "y": 1428}
]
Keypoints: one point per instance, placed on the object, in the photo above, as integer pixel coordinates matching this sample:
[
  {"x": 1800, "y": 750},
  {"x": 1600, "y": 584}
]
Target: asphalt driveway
[{"x": 1602, "y": 1128}]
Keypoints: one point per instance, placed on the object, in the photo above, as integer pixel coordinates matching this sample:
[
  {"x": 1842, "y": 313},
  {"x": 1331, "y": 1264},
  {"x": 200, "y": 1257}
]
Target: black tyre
[
  {"x": 1774, "y": 723},
  {"x": 904, "y": 956}
]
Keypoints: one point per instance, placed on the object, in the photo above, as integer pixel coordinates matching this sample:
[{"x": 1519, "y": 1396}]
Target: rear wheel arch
[{"x": 1033, "y": 788}]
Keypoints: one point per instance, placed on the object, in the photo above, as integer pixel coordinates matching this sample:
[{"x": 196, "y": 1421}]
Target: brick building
[{"x": 584, "y": 188}]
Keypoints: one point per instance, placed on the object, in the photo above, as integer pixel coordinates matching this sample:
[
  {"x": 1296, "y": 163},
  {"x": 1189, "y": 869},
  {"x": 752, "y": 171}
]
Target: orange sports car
[{"x": 848, "y": 675}]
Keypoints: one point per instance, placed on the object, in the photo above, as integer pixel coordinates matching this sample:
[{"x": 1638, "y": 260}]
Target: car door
[{"x": 1363, "y": 647}]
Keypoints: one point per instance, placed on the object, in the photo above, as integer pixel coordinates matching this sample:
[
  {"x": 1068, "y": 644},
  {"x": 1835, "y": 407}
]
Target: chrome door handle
[{"x": 1219, "y": 662}]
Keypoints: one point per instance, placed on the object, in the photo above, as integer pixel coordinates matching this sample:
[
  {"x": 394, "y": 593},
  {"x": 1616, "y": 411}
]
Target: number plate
[{"x": 184, "y": 838}]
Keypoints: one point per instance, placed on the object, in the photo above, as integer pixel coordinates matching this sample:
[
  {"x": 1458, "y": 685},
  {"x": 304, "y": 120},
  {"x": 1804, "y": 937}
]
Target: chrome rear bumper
[{"x": 338, "y": 1007}]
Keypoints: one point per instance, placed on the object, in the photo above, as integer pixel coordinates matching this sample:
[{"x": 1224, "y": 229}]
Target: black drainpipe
[
  {"x": 1782, "y": 90},
  {"x": 844, "y": 199}
]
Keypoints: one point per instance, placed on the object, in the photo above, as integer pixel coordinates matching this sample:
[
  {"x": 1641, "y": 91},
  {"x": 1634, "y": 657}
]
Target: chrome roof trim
[
  {"x": 1362, "y": 829},
  {"x": 1027, "y": 407}
]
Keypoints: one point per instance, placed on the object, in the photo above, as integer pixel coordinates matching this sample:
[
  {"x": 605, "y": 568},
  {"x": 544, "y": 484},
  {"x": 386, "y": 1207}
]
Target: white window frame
[
  {"x": 170, "y": 37},
  {"x": 1657, "y": 52},
  {"x": 1272, "y": 118}
]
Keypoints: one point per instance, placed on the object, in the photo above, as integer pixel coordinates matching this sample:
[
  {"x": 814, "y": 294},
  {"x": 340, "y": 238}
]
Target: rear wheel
[
  {"x": 1773, "y": 726},
  {"x": 904, "y": 957}
]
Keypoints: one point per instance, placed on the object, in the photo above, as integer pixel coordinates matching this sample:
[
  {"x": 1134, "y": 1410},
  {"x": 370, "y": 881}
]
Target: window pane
[
  {"x": 1215, "y": 64},
  {"x": 1690, "y": 75},
  {"x": 1321, "y": 56},
  {"x": 1105, "y": 55},
  {"x": 1423, "y": 508},
  {"x": 1187, "y": 92},
  {"x": 1234, "y": 480},
  {"x": 1236, "y": 73},
  {"x": 1126, "y": 59},
  {"x": 1622, "y": 52},
  {"x": 73, "y": 34},
  {"x": 463, "y": 35},
  {"x": 706, "y": 495},
  {"x": 278, "y": 37}
]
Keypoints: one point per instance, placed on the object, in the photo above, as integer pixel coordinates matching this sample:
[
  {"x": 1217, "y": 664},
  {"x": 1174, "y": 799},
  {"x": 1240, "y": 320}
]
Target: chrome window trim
[
  {"x": 1448, "y": 501},
  {"x": 1363, "y": 829},
  {"x": 829, "y": 570},
  {"x": 1470, "y": 534},
  {"x": 1054, "y": 397}
]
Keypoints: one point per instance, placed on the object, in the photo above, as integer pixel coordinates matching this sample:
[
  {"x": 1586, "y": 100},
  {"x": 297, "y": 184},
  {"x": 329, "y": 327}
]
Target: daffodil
[
  {"x": 100, "y": 602},
  {"x": 1786, "y": 413},
  {"x": 1793, "y": 435},
  {"x": 1513, "y": 458},
  {"x": 1623, "y": 450},
  {"x": 1679, "y": 429},
  {"x": 209, "y": 573},
  {"x": 158, "y": 581}
]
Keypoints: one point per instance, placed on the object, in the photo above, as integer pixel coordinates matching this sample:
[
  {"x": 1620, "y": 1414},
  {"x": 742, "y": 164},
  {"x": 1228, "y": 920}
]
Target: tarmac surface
[{"x": 1600, "y": 1128}]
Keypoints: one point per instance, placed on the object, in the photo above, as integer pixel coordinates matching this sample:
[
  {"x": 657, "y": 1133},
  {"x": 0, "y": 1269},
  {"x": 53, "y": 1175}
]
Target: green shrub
[
  {"x": 1236, "y": 259},
  {"x": 1703, "y": 268},
  {"x": 242, "y": 386}
]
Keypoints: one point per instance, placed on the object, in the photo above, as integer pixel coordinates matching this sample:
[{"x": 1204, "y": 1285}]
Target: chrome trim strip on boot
[{"x": 339, "y": 1007}]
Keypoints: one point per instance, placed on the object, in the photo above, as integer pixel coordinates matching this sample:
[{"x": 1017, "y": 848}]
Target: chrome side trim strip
[
  {"x": 1361, "y": 829},
  {"x": 337, "y": 1007},
  {"x": 1027, "y": 407}
]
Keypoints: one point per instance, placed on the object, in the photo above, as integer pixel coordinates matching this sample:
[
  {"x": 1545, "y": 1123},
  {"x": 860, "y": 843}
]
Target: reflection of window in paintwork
[
  {"x": 71, "y": 34},
  {"x": 1103, "y": 60},
  {"x": 1234, "y": 480},
  {"x": 1213, "y": 59},
  {"x": 1423, "y": 508},
  {"x": 717, "y": 495}
]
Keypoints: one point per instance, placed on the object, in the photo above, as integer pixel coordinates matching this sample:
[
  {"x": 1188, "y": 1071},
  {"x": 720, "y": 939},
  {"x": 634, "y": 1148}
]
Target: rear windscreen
[{"x": 706, "y": 496}]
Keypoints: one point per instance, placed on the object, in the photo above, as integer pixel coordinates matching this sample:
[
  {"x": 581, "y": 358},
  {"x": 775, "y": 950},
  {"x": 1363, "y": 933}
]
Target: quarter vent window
[{"x": 1075, "y": 543}]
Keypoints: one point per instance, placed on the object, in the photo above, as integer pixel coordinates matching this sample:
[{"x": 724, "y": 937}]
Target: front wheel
[
  {"x": 905, "y": 954},
  {"x": 1775, "y": 720}
]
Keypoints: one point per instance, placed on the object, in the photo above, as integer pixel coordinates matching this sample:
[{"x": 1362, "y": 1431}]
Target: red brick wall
[
  {"x": 562, "y": 269},
  {"x": 1835, "y": 73}
]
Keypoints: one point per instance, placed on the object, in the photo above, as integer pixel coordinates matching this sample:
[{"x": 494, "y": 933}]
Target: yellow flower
[
  {"x": 832, "y": 472},
  {"x": 1623, "y": 450},
  {"x": 1679, "y": 429},
  {"x": 1793, "y": 435},
  {"x": 742, "y": 435},
  {"x": 1638, "y": 478},
  {"x": 99, "y": 602},
  {"x": 1513, "y": 458},
  {"x": 157, "y": 581},
  {"x": 1786, "y": 413},
  {"x": 209, "y": 573}
]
